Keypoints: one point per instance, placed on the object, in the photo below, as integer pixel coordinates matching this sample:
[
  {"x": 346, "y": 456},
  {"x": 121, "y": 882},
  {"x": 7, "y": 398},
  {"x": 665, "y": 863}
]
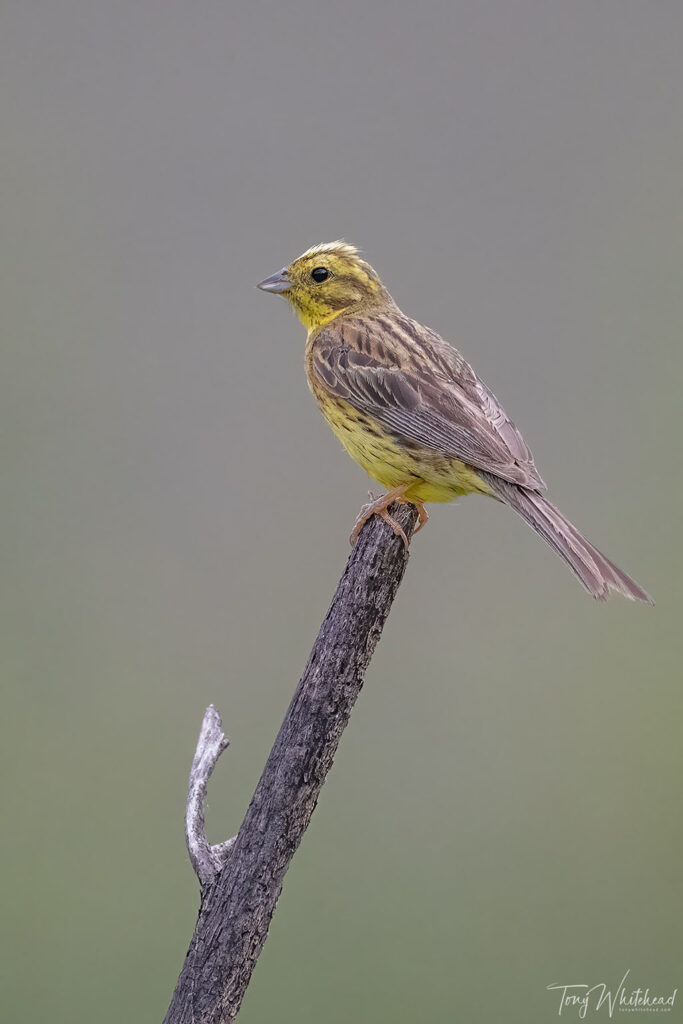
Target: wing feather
[{"x": 422, "y": 390}]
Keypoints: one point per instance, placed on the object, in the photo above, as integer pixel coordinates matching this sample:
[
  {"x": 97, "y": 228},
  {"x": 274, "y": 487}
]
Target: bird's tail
[{"x": 595, "y": 571}]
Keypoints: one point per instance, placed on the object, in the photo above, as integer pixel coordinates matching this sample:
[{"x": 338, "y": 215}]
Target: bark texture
[{"x": 238, "y": 904}]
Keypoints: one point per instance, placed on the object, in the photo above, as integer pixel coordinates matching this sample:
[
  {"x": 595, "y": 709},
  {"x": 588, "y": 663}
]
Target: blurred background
[{"x": 504, "y": 810}]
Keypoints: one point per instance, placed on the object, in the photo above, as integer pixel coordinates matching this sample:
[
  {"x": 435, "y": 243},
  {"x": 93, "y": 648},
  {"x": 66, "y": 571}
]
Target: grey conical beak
[{"x": 276, "y": 282}]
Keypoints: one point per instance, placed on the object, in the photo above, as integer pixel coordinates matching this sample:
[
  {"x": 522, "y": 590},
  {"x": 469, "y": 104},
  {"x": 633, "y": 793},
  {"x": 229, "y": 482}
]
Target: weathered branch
[
  {"x": 207, "y": 860},
  {"x": 239, "y": 894}
]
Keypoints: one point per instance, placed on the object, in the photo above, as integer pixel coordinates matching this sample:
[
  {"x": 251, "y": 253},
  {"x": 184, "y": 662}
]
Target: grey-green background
[{"x": 504, "y": 811}]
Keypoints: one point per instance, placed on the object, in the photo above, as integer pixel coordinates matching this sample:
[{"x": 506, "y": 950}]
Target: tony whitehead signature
[{"x": 583, "y": 997}]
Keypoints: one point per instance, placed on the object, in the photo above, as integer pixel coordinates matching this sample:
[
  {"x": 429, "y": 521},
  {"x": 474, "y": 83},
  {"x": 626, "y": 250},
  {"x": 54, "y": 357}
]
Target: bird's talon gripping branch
[
  {"x": 422, "y": 513},
  {"x": 398, "y": 530},
  {"x": 378, "y": 507}
]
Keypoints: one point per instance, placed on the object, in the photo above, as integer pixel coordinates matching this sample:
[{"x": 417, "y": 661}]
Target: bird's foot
[
  {"x": 422, "y": 513},
  {"x": 378, "y": 507}
]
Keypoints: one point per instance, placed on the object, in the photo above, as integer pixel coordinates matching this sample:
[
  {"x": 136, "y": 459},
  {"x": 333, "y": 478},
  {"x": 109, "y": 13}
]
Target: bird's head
[{"x": 326, "y": 281}]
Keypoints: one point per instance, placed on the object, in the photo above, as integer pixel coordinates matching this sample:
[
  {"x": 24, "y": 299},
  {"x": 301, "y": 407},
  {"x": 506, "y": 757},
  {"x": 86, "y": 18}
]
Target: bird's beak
[{"x": 279, "y": 282}]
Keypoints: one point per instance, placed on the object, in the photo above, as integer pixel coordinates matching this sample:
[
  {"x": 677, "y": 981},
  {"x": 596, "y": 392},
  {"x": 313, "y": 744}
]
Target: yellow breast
[{"x": 434, "y": 477}]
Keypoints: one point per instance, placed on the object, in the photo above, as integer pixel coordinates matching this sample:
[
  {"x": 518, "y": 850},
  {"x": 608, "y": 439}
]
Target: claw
[
  {"x": 396, "y": 527},
  {"x": 422, "y": 516},
  {"x": 378, "y": 506}
]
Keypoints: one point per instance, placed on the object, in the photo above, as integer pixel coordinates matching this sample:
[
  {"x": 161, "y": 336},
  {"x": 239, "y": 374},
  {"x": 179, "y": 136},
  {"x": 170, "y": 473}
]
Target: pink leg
[{"x": 378, "y": 507}]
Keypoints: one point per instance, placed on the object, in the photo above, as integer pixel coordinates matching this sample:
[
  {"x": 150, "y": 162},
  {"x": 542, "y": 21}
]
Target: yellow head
[{"x": 326, "y": 281}]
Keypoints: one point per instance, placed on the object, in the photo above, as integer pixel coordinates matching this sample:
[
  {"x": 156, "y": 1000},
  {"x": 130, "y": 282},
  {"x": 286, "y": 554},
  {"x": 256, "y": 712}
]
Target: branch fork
[
  {"x": 207, "y": 860},
  {"x": 241, "y": 879}
]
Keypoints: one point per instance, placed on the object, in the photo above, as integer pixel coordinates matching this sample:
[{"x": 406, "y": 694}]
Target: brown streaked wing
[
  {"x": 441, "y": 360},
  {"x": 420, "y": 388}
]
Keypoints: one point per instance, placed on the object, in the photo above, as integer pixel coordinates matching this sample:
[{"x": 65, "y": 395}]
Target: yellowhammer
[{"x": 411, "y": 411}]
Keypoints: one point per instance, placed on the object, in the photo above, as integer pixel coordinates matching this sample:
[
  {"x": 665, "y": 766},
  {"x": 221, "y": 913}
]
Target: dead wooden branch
[{"x": 239, "y": 893}]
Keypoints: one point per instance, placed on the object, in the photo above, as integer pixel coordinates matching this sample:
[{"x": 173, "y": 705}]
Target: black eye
[{"x": 320, "y": 274}]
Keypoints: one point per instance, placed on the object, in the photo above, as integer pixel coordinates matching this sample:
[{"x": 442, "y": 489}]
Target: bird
[{"x": 412, "y": 412}]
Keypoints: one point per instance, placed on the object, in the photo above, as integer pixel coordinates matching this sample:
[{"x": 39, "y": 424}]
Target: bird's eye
[{"x": 320, "y": 274}]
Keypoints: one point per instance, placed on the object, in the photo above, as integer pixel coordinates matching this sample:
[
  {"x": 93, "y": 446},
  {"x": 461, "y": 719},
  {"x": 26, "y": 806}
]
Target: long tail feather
[{"x": 595, "y": 571}]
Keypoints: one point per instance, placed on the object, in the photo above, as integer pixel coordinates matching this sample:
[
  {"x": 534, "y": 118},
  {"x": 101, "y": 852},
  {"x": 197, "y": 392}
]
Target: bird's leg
[
  {"x": 422, "y": 513},
  {"x": 378, "y": 507}
]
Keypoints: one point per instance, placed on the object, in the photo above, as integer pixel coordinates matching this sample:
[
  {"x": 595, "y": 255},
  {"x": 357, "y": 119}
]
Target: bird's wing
[{"x": 421, "y": 389}]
